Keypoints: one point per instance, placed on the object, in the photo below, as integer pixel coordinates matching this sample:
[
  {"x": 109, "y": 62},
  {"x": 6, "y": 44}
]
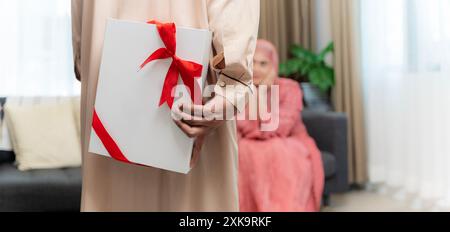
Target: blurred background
[{"x": 375, "y": 76}]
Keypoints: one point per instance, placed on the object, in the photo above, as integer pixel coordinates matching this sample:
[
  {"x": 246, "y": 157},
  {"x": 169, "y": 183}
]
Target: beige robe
[{"x": 109, "y": 185}]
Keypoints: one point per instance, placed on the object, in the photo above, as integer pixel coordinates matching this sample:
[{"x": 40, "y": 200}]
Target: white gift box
[{"x": 127, "y": 100}]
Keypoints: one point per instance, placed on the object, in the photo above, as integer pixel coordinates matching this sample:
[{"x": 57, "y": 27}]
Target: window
[
  {"x": 406, "y": 35},
  {"x": 36, "y": 49}
]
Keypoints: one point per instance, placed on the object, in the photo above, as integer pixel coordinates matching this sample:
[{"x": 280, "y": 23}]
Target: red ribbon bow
[{"x": 188, "y": 70}]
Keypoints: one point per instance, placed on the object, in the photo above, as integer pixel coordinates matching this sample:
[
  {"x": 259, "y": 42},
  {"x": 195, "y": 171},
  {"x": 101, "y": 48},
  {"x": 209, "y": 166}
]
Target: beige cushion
[{"x": 44, "y": 136}]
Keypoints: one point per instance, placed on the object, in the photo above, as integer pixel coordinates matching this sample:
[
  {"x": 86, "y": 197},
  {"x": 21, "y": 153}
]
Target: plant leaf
[
  {"x": 290, "y": 67},
  {"x": 306, "y": 69},
  {"x": 324, "y": 52},
  {"x": 322, "y": 78},
  {"x": 303, "y": 54},
  {"x": 282, "y": 70}
]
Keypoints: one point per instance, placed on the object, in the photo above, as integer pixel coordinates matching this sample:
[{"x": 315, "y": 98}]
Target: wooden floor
[{"x": 379, "y": 201}]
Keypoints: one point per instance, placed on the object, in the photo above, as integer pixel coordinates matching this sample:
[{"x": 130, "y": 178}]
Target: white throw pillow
[{"x": 44, "y": 136}]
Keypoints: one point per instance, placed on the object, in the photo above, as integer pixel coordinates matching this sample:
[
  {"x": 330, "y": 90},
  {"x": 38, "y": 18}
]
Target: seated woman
[{"x": 279, "y": 170}]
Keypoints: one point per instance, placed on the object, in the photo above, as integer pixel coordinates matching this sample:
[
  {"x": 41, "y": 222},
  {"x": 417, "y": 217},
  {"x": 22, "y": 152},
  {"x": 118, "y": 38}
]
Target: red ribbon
[
  {"x": 108, "y": 142},
  {"x": 189, "y": 71}
]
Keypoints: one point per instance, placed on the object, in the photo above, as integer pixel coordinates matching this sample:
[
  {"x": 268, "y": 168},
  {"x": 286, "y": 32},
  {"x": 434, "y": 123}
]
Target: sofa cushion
[
  {"x": 329, "y": 163},
  {"x": 44, "y": 136},
  {"x": 39, "y": 190}
]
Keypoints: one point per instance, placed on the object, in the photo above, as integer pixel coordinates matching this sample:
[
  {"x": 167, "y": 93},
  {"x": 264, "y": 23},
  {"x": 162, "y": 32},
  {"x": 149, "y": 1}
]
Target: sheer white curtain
[
  {"x": 35, "y": 48},
  {"x": 406, "y": 67}
]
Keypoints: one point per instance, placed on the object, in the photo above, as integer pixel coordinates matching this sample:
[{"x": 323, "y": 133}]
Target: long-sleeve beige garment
[{"x": 109, "y": 185}]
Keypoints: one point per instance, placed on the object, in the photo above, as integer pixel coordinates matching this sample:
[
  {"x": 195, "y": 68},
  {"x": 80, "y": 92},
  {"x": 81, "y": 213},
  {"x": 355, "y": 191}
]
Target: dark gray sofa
[
  {"x": 329, "y": 130},
  {"x": 37, "y": 191}
]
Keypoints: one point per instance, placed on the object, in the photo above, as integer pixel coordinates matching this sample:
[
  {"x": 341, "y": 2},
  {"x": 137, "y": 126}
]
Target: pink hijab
[{"x": 270, "y": 51}]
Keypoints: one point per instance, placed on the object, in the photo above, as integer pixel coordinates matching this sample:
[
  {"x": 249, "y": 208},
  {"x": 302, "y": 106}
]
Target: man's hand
[{"x": 201, "y": 120}]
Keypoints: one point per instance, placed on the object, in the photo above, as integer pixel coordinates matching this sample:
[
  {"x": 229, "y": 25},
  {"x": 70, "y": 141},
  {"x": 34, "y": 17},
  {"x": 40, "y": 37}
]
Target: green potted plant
[{"x": 316, "y": 76}]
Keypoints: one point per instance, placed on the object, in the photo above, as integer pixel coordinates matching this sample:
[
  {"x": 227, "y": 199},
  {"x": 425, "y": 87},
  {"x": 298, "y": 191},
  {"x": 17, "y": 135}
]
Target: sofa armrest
[{"x": 329, "y": 130}]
